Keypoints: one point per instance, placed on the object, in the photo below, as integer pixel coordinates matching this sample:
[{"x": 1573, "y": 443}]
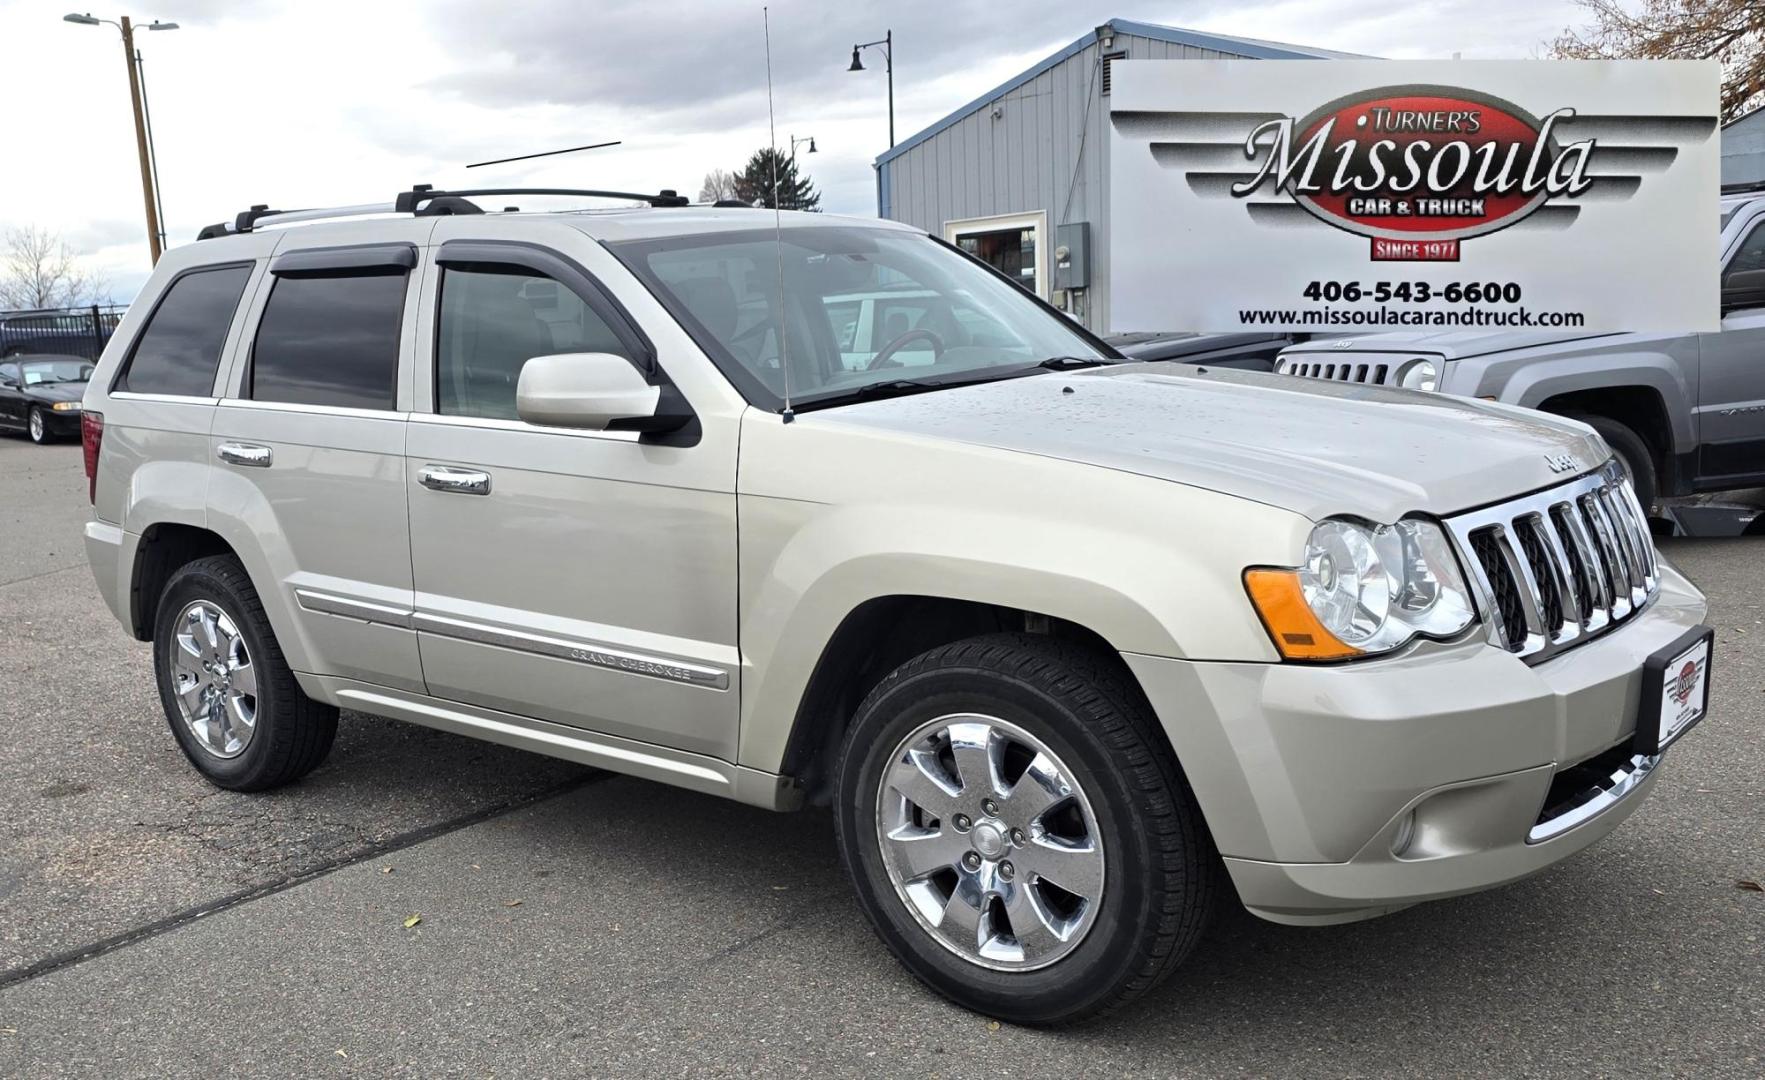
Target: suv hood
[
  {"x": 1314, "y": 447},
  {"x": 64, "y": 391},
  {"x": 1446, "y": 344}
]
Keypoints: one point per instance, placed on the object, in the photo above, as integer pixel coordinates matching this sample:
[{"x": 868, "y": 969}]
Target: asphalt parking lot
[{"x": 574, "y": 922}]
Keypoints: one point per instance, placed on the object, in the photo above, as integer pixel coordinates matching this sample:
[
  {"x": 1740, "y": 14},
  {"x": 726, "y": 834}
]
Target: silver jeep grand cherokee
[{"x": 1076, "y": 649}]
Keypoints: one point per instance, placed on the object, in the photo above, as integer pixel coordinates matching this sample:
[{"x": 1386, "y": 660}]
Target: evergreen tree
[{"x": 753, "y": 182}]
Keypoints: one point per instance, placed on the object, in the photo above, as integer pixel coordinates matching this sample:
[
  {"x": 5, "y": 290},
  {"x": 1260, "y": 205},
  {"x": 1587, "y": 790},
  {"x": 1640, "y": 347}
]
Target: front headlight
[
  {"x": 1363, "y": 590},
  {"x": 1419, "y": 374},
  {"x": 66, "y": 406}
]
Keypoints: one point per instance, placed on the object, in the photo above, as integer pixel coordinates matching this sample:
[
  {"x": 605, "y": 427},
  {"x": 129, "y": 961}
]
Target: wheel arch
[
  {"x": 164, "y": 548},
  {"x": 879, "y": 635},
  {"x": 1640, "y": 408}
]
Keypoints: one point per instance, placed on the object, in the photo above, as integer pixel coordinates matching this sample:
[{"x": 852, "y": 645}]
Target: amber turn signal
[{"x": 1297, "y": 633}]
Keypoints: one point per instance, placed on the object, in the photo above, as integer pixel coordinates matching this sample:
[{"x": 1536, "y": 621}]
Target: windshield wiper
[
  {"x": 874, "y": 391},
  {"x": 1068, "y": 363}
]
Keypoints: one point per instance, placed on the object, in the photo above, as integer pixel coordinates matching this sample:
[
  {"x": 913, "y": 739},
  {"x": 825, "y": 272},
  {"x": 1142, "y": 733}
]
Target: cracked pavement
[{"x": 572, "y": 922}]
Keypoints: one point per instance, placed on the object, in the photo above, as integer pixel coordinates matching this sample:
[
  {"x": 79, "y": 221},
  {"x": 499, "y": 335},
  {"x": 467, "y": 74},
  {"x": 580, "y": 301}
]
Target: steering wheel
[{"x": 888, "y": 351}]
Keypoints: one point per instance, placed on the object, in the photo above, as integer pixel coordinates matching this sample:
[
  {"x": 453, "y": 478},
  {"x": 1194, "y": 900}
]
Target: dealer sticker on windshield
[{"x": 1679, "y": 685}]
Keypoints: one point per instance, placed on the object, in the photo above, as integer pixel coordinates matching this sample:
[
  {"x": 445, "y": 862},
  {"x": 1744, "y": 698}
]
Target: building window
[{"x": 1012, "y": 244}]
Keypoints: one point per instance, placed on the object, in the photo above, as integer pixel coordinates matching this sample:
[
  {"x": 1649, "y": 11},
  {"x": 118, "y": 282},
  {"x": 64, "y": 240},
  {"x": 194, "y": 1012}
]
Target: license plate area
[{"x": 1675, "y": 691}]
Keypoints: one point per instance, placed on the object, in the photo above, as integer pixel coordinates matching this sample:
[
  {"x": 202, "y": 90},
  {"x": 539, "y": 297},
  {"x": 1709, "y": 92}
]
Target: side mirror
[
  {"x": 597, "y": 392},
  {"x": 1743, "y": 289}
]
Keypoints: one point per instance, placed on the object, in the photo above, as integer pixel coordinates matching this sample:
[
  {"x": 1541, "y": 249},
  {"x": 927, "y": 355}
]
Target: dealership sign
[{"x": 1328, "y": 196}]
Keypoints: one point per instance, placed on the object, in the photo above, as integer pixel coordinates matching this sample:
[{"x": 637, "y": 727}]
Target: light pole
[
  {"x": 148, "y": 197},
  {"x": 796, "y": 142},
  {"x": 887, "y": 44}
]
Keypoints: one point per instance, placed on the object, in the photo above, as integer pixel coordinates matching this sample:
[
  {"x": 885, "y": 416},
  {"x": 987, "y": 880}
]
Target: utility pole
[
  {"x": 138, "y": 104},
  {"x": 141, "y": 140}
]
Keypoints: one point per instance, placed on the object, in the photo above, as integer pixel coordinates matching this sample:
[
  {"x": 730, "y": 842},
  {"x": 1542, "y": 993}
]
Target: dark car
[
  {"x": 1256, "y": 352},
  {"x": 40, "y": 395}
]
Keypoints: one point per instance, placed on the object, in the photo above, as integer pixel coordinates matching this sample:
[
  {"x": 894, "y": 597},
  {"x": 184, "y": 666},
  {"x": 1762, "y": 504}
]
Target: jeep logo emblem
[{"x": 1559, "y": 463}]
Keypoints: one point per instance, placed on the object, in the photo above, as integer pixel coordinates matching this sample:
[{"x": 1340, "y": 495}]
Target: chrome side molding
[{"x": 583, "y": 652}]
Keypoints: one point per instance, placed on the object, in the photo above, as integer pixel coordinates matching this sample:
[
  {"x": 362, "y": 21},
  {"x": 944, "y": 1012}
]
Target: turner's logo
[
  {"x": 1415, "y": 168},
  {"x": 1422, "y": 164}
]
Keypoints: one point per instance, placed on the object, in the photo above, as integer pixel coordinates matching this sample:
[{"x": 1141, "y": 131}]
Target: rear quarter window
[{"x": 179, "y": 349}]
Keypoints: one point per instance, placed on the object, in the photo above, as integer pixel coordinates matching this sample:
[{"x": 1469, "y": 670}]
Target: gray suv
[
  {"x": 1685, "y": 412},
  {"x": 1076, "y": 649}
]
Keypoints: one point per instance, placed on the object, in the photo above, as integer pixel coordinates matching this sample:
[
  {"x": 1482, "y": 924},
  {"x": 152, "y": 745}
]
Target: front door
[
  {"x": 584, "y": 578},
  {"x": 1731, "y": 383}
]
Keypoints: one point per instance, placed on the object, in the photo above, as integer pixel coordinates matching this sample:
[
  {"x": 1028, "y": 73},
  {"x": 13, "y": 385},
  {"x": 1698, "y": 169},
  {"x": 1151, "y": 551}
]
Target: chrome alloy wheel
[
  {"x": 213, "y": 679},
  {"x": 38, "y": 432},
  {"x": 990, "y": 842}
]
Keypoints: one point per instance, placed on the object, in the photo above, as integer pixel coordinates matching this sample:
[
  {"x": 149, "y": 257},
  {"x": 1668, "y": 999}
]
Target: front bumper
[{"x": 1311, "y": 776}]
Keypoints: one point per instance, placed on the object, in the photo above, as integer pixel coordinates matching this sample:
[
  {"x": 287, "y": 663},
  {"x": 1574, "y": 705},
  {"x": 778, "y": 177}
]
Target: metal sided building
[{"x": 1020, "y": 175}]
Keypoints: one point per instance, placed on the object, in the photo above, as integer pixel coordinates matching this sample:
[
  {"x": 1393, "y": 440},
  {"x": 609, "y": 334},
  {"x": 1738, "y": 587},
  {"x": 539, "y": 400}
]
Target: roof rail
[
  {"x": 261, "y": 215},
  {"x": 410, "y": 201},
  {"x": 422, "y": 200}
]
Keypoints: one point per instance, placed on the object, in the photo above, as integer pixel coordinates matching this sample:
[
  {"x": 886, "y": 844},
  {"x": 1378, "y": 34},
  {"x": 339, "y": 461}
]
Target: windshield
[
  {"x": 56, "y": 371},
  {"x": 862, "y": 308}
]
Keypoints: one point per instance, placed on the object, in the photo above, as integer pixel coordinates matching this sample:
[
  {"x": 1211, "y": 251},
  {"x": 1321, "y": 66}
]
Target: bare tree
[
  {"x": 39, "y": 270},
  {"x": 1732, "y": 31},
  {"x": 719, "y": 184}
]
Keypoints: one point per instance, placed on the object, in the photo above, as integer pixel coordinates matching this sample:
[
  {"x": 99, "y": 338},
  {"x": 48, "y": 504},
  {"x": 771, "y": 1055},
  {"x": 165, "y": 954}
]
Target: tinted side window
[
  {"x": 493, "y": 320},
  {"x": 330, "y": 339},
  {"x": 1750, "y": 255},
  {"x": 180, "y": 348}
]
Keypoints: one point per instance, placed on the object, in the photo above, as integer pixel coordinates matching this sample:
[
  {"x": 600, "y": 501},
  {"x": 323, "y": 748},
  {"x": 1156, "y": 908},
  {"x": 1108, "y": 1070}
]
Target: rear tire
[
  {"x": 231, "y": 700},
  {"x": 1633, "y": 452},
  {"x": 1070, "y": 719}
]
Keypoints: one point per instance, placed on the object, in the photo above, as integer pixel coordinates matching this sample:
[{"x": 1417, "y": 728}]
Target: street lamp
[
  {"x": 887, "y": 44},
  {"x": 796, "y": 142},
  {"x": 130, "y": 57}
]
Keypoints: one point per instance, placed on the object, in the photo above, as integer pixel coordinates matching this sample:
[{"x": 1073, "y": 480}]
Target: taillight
[{"x": 91, "y": 438}]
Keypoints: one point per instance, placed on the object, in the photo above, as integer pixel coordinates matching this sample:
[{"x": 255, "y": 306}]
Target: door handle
[
  {"x": 459, "y": 481},
  {"x": 250, "y": 454}
]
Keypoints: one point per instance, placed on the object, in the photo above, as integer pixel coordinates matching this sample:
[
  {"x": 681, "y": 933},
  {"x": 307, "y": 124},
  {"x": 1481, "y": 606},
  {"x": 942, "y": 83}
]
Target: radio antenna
[{"x": 784, "y": 345}]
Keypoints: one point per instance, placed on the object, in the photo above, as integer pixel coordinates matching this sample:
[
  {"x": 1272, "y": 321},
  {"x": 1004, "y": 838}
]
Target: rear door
[
  {"x": 1731, "y": 380},
  {"x": 309, "y": 447}
]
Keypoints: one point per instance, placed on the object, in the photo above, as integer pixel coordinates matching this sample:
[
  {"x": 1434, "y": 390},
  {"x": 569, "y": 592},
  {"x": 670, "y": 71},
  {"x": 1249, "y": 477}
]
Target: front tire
[
  {"x": 231, "y": 700},
  {"x": 1018, "y": 831},
  {"x": 37, "y": 426}
]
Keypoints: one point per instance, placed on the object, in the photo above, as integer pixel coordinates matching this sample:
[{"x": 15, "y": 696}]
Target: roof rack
[
  {"x": 422, "y": 200},
  {"x": 409, "y": 201}
]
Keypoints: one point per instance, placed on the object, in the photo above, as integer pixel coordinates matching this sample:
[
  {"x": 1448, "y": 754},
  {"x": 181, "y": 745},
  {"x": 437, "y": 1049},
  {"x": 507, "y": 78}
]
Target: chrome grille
[
  {"x": 1348, "y": 370},
  {"x": 1556, "y": 568}
]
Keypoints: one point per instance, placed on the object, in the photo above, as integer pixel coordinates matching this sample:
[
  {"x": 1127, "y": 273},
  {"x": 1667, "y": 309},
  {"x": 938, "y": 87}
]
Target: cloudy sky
[{"x": 321, "y": 102}]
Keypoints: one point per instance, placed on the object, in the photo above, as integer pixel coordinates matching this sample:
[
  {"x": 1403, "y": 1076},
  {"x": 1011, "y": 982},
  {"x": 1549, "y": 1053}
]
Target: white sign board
[{"x": 1351, "y": 196}]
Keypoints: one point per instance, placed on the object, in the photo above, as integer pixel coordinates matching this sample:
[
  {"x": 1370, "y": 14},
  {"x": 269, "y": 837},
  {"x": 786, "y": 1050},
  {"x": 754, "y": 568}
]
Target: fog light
[{"x": 1406, "y": 832}]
